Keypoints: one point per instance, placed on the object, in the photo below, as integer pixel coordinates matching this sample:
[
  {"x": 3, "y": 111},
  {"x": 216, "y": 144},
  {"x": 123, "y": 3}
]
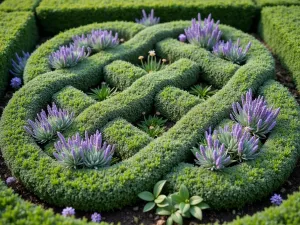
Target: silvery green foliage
[
  {"x": 214, "y": 155},
  {"x": 230, "y": 51},
  {"x": 19, "y": 65},
  {"x": 148, "y": 20},
  {"x": 205, "y": 34},
  {"x": 68, "y": 56},
  {"x": 46, "y": 125},
  {"x": 254, "y": 115},
  {"x": 89, "y": 152}
]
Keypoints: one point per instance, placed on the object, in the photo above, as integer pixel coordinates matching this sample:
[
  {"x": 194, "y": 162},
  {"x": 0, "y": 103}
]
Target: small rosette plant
[
  {"x": 152, "y": 65},
  {"x": 205, "y": 34},
  {"x": 67, "y": 56},
  {"x": 19, "y": 64},
  {"x": 231, "y": 52},
  {"x": 46, "y": 125},
  {"x": 148, "y": 20},
  {"x": 203, "y": 92},
  {"x": 89, "y": 152},
  {"x": 254, "y": 115},
  {"x": 100, "y": 94}
]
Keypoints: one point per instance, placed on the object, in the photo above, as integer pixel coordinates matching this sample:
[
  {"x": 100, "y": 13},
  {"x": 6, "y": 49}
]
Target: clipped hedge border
[
  {"x": 279, "y": 27},
  {"x": 18, "y": 32},
  {"x": 17, "y": 5},
  {"x": 55, "y": 15},
  {"x": 263, "y": 3},
  {"x": 119, "y": 184}
]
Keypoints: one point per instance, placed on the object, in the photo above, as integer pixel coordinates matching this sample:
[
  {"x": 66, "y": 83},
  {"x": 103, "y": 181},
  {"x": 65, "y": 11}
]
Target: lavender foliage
[
  {"x": 102, "y": 39},
  {"x": 276, "y": 199},
  {"x": 213, "y": 156},
  {"x": 89, "y": 152},
  {"x": 254, "y": 115},
  {"x": 148, "y": 20},
  {"x": 67, "y": 56},
  {"x": 19, "y": 64},
  {"x": 96, "y": 217},
  {"x": 46, "y": 125},
  {"x": 205, "y": 34},
  {"x": 68, "y": 211},
  {"x": 230, "y": 51},
  {"x": 10, "y": 180},
  {"x": 16, "y": 83}
]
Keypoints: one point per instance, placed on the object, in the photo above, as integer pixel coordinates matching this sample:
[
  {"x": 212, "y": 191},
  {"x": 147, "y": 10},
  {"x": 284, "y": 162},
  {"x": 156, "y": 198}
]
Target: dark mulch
[{"x": 134, "y": 215}]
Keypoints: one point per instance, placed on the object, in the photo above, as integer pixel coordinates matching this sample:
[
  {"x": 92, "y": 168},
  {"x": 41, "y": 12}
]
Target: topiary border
[{"x": 16, "y": 5}]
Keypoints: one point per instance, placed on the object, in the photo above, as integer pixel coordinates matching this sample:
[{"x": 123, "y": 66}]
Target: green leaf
[
  {"x": 196, "y": 212},
  {"x": 184, "y": 207},
  {"x": 146, "y": 195},
  {"x": 149, "y": 206},
  {"x": 203, "y": 205},
  {"x": 158, "y": 187},
  {"x": 170, "y": 221},
  {"x": 177, "y": 218},
  {"x": 187, "y": 214},
  {"x": 195, "y": 200},
  {"x": 163, "y": 212},
  {"x": 160, "y": 199},
  {"x": 184, "y": 192},
  {"x": 163, "y": 204},
  {"x": 177, "y": 199}
]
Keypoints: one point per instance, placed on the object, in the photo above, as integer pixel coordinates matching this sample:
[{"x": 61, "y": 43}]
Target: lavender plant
[
  {"x": 80, "y": 41},
  {"x": 230, "y": 51},
  {"x": 254, "y": 115},
  {"x": 19, "y": 65},
  {"x": 148, "y": 20},
  {"x": 89, "y": 152},
  {"x": 99, "y": 40},
  {"x": 152, "y": 64},
  {"x": 67, "y": 56},
  {"x": 16, "y": 83},
  {"x": 45, "y": 127},
  {"x": 205, "y": 34},
  {"x": 213, "y": 156}
]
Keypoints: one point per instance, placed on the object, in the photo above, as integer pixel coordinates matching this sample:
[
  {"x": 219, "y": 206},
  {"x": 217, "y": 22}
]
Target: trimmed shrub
[
  {"x": 18, "y": 32},
  {"x": 17, "y": 5},
  {"x": 279, "y": 27},
  {"x": 264, "y": 3},
  {"x": 52, "y": 14}
]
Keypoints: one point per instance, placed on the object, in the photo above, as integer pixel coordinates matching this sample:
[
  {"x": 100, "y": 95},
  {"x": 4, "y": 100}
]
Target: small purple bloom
[
  {"x": 19, "y": 65},
  {"x": 276, "y": 199},
  {"x": 68, "y": 211},
  {"x": 148, "y": 20},
  {"x": 182, "y": 38},
  {"x": 16, "y": 83},
  {"x": 96, "y": 217},
  {"x": 10, "y": 180}
]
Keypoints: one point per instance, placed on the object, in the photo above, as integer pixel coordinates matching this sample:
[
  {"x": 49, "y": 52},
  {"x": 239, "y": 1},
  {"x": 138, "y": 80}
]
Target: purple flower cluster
[
  {"x": 205, "y": 34},
  {"x": 148, "y": 20},
  {"x": 68, "y": 211},
  {"x": 67, "y": 56},
  {"x": 16, "y": 82},
  {"x": 45, "y": 127},
  {"x": 19, "y": 65},
  {"x": 230, "y": 51},
  {"x": 254, "y": 115},
  {"x": 10, "y": 180},
  {"x": 96, "y": 217},
  {"x": 89, "y": 152},
  {"x": 97, "y": 40},
  {"x": 276, "y": 199}
]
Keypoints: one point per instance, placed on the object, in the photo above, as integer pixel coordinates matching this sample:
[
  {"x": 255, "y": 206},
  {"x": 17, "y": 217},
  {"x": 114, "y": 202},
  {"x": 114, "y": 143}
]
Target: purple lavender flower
[
  {"x": 96, "y": 217},
  {"x": 80, "y": 41},
  {"x": 45, "y": 127},
  {"x": 10, "y": 180},
  {"x": 89, "y": 152},
  {"x": 19, "y": 65},
  {"x": 99, "y": 40},
  {"x": 254, "y": 115},
  {"x": 67, "y": 56},
  {"x": 182, "y": 38},
  {"x": 213, "y": 156},
  {"x": 276, "y": 199},
  {"x": 148, "y": 20},
  {"x": 205, "y": 34},
  {"x": 16, "y": 83},
  {"x": 230, "y": 51},
  {"x": 68, "y": 211}
]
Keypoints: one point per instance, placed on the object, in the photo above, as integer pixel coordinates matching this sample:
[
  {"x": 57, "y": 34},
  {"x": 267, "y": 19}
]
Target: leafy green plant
[
  {"x": 154, "y": 126},
  {"x": 176, "y": 206},
  {"x": 102, "y": 93},
  {"x": 152, "y": 64},
  {"x": 202, "y": 92}
]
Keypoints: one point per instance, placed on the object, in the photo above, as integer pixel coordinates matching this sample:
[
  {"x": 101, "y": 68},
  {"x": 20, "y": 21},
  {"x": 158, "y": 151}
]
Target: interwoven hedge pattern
[{"x": 147, "y": 160}]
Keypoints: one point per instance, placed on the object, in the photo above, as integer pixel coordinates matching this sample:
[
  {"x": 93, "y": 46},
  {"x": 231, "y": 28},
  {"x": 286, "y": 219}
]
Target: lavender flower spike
[
  {"x": 68, "y": 211},
  {"x": 99, "y": 40},
  {"x": 254, "y": 115},
  {"x": 276, "y": 199},
  {"x": 232, "y": 52},
  {"x": 16, "y": 83},
  {"x": 148, "y": 20},
  {"x": 19, "y": 65},
  {"x": 205, "y": 34}
]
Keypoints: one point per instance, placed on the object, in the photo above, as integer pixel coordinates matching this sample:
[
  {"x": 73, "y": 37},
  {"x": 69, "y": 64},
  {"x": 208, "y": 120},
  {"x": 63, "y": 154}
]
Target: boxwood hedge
[
  {"x": 279, "y": 27},
  {"x": 264, "y": 3},
  {"x": 118, "y": 185},
  {"x": 17, "y": 5},
  {"x": 18, "y": 32},
  {"x": 56, "y": 15}
]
